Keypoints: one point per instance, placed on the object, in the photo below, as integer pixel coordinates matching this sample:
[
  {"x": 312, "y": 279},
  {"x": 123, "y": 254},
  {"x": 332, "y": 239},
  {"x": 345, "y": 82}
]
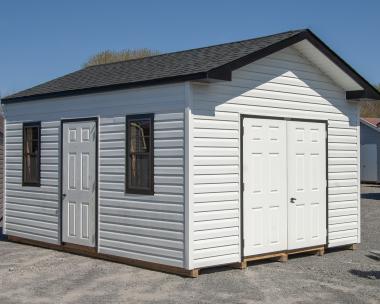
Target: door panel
[
  {"x": 284, "y": 185},
  {"x": 368, "y": 160},
  {"x": 79, "y": 183},
  {"x": 306, "y": 184},
  {"x": 264, "y": 195}
]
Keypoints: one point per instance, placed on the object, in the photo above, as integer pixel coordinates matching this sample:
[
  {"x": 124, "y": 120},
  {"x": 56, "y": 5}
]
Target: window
[
  {"x": 31, "y": 154},
  {"x": 139, "y": 162}
]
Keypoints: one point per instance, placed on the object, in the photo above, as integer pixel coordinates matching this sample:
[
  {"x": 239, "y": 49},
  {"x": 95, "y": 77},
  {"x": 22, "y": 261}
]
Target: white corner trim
[
  {"x": 4, "y": 176},
  {"x": 188, "y": 146},
  {"x": 359, "y": 174}
]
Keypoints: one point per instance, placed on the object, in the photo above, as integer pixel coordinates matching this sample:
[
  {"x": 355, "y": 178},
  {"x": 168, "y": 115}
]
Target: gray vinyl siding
[
  {"x": 149, "y": 228},
  {"x": 371, "y": 136},
  {"x": 283, "y": 84}
]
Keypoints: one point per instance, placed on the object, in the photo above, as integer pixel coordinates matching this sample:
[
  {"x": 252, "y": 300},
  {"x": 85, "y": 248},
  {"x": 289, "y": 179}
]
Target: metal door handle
[
  {"x": 292, "y": 200},
  {"x": 63, "y": 195}
]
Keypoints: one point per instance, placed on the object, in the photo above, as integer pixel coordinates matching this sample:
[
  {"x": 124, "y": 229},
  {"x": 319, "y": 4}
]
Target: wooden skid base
[
  {"x": 354, "y": 247},
  {"x": 91, "y": 252},
  {"x": 279, "y": 256}
]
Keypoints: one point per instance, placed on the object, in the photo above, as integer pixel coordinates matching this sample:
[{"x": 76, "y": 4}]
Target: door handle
[
  {"x": 63, "y": 195},
  {"x": 292, "y": 200}
]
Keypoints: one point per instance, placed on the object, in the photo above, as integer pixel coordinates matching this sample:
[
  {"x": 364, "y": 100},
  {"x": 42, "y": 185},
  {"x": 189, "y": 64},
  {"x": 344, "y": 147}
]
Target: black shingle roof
[
  {"x": 212, "y": 62},
  {"x": 163, "y": 66}
]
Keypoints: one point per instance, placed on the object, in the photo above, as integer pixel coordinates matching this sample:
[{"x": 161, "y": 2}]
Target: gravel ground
[{"x": 33, "y": 275}]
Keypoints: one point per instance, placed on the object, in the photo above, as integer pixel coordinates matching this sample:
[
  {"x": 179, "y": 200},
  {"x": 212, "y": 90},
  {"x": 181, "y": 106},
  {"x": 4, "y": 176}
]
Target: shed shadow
[
  {"x": 371, "y": 275},
  {"x": 2, "y": 236},
  {"x": 371, "y": 196},
  {"x": 373, "y": 257}
]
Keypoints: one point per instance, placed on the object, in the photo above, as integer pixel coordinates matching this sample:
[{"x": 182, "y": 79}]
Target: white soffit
[{"x": 327, "y": 66}]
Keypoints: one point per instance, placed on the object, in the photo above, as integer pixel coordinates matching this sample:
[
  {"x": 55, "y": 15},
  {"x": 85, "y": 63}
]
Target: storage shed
[
  {"x": 370, "y": 149},
  {"x": 192, "y": 159}
]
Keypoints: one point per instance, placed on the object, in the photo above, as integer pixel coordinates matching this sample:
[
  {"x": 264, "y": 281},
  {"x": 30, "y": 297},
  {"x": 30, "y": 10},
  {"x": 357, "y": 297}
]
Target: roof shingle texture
[{"x": 156, "y": 67}]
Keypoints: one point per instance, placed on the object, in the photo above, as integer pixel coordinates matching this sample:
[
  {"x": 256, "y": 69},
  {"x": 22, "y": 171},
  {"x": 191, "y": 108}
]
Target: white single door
[
  {"x": 306, "y": 184},
  {"x": 79, "y": 183},
  {"x": 264, "y": 194},
  {"x": 368, "y": 160}
]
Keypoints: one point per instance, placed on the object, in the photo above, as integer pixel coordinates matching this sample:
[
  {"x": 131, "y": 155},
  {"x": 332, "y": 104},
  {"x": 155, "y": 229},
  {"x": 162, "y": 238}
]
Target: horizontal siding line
[
  {"x": 127, "y": 196},
  {"x": 53, "y": 220},
  {"x": 142, "y": 243},
  {"x": 140, "y": 234},
  {"x": 344, "y": 135},
  {"x": 215, "y": 210},
  {"x": 220, "y": 192},
  {"x": 32, "y": 226},
  {"x": 102, "y": 213},
  {"x": 143, "y": 210},
  {"x": 35, "y": 222},
  {"x": 111, "y": 132},
  {"x": 38, "y": 190},
  {"x": 343, "y": 157},
  {"x": 210, "y": 137},
  {"x": 240, "y": 103},
  {"x": 123, "y": 193},
  {"x": 218, "y": 237},
  {"x": 217, "y": 156},
  {"x": 102, "y": 220},
  {"x": 216, "y": 119},
  {"x": 343, "y": 186},
  {"x": 353, "y": 231},
  {"x": 140, "y": 252},
  {"x": 215, "y": 256},
  {"x": 212, "y": 220},
  {"x": 343, "y": 228},
  {"x": 33, "y": 234},
  {"x": 104, "y": 175},
  {"x": 22, "y": 196},
  {"x": 9, "y": 206},
  {"x": 13, "y": 198},
  {"x": 331, "y": 217},
  {"x": 208, "y": 247},
  {"x": 201, "y": 95}
]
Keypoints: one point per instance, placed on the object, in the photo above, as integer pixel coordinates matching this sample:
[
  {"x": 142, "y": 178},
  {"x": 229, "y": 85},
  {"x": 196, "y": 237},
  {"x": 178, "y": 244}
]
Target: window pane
[
  {"x": 139, "y": 166},
  {"x": 31, "y": 161},
  {"x": 31, "y": 169},
  {"x": 139, "y": 173},
  {"x": 139, "y": 136}
]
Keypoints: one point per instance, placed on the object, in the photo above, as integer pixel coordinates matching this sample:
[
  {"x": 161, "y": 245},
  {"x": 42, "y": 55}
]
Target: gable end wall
[{"x": 283, "y": 84}]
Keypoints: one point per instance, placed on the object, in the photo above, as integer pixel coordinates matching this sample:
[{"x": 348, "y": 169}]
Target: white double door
[
  {"x": 79, "y": 182},
  {"x": 284, "y": 191}
]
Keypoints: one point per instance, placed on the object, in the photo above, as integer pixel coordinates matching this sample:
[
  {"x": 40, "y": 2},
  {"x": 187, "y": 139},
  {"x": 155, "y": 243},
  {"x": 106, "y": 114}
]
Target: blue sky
[{"x": 41, "y": 40}]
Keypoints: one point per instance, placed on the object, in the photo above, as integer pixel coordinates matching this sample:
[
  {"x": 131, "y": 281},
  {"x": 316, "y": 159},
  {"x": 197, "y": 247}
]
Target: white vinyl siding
[
  {"x": 144, "y": 227},
  {"x": 283, "y": 84}
]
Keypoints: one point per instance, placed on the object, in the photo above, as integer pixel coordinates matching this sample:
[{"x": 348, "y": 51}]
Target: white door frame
[
  {"x": 84, "y": 119},
  {"x": 242, "y": 117}
]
